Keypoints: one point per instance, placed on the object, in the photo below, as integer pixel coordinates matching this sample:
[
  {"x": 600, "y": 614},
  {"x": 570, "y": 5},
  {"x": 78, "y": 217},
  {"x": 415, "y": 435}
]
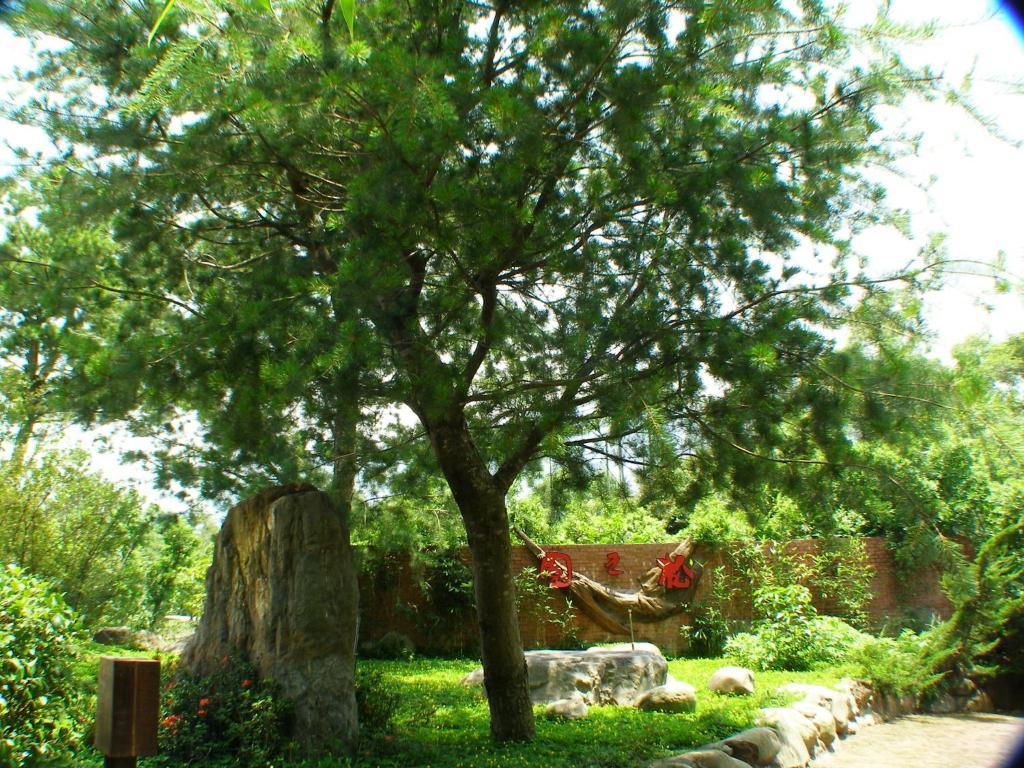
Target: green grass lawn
[{"x": 441, "y": 723}]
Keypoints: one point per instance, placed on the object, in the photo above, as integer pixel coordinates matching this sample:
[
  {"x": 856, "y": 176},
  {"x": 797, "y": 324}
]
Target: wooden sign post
[{"x": 127, "y": 709}]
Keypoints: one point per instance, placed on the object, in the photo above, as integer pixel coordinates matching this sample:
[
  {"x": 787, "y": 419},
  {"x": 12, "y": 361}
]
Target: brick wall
[{"x": 394, "y": 598}]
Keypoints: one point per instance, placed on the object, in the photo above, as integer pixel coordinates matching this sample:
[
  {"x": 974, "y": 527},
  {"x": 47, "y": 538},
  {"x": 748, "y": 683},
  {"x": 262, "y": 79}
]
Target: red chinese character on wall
[
  {"x": 612, "y": 564},
  {"x": 675, "y": 573},
  {"x": 559, "y": 566}
]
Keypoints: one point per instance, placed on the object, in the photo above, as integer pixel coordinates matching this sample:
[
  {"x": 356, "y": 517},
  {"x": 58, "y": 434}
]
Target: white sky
[{"x": 964, "y": 182}]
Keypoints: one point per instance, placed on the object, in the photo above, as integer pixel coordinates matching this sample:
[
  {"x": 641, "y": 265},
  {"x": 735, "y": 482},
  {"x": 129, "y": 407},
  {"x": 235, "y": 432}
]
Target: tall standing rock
[{"x": 282, "y": 592}]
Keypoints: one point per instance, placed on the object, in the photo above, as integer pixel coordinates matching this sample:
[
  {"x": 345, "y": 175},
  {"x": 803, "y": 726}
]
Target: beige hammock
[{"x": 613, "y": 609}]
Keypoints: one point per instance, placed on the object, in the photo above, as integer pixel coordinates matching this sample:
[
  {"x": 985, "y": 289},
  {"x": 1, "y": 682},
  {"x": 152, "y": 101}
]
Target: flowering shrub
[{"x": 228, "y": 714}]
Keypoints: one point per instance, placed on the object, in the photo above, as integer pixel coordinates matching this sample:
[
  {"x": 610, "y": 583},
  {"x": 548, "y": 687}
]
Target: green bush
[
  {"x": 842, "y": 575},
  {"x": 450, "y": 585},
  {"x": 788, "y": 633},
  {"x": 228, "y": 714},
  {"x": 715, "y": 520},
  {"x": 707, "y": 632},
  {"x": 709, "y": 627},
  {"x": 39, "y": 704},
  {"x": 898, "y": 666},
  {"x": 377, "y": 700}
]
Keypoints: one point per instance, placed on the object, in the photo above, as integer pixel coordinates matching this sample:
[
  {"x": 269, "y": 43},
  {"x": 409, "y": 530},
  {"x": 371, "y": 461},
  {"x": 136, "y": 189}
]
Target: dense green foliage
[
  {"x": 900, "y": 665},
  {"x": 115, "y": 559},
  {"x": 985, "y": 635},
  {"x": 789, "y": 634},
  {"x": 41, "y": 718},
  {"x": 599, "y": 510}
]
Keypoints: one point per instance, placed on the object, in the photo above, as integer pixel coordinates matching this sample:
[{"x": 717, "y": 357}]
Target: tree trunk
[
  {"x": 23, "y": 438},
  {"x": 482, "y": 505},
  {"x": 344, "y": 433},
  {"x": 501, "y": 646}
]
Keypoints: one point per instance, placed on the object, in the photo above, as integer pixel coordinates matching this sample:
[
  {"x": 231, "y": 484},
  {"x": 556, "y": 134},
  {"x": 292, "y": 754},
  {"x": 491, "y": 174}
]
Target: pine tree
[{"x": 519, "y": 221}]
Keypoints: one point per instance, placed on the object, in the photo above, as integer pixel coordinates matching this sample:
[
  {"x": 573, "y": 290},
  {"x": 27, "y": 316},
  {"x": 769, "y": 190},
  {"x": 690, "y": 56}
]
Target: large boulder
[
  {"x": 840, "y": 703},
  {"x": 673, "y": 697},
  {"x": 282, "y": 593},
  {"x": 701, "y": 758},
  {"x": 798, "y": 735},
  {"x": 888, "y": 705},
  {"x": 737, "y": 680},
  {"x": 822, "y": 720},
  {"x": 860, "y": 690},
  {"x": 617, "y": 675},
  {"x": 943, "y": 704},
  {"x": 755, "y": 746},
  {"x": 122, "y": 636},
  {"x": 138, "y": 639}
]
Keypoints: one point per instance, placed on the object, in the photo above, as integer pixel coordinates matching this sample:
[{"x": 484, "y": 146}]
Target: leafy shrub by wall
[
  {"x": 837, "y": 572},
  {"x": 536, "y": 600},
  {"x": 39, "y": 704},
  {"x": 788, "y": 633}
]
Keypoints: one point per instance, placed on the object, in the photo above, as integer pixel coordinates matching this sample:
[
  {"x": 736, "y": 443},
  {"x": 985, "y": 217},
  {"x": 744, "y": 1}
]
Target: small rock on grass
[
  {"x": 735, "y": 680},
  {"x": 572, "y": 708},
  {"x": 673, "y": 696}
]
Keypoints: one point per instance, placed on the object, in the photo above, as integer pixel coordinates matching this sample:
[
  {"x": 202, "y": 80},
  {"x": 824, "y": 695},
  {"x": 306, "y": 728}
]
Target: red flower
[
  {"x": 203, "y": 703},
  {"x": 246, "y": 683},
  {"x": 171, "y": 723},
  {"x": 201, "y": 713}
]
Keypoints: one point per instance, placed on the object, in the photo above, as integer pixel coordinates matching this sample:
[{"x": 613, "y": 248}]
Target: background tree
[
  {"x": 115, "y": 559},
  {"x": 47, "y": 303},
  {"x": 99, "y": 543},
  {"x": 522, "y": 222}
]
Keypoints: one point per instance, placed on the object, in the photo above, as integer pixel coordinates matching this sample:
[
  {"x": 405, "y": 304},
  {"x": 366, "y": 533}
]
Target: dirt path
[{"x": 930, "y": 741}]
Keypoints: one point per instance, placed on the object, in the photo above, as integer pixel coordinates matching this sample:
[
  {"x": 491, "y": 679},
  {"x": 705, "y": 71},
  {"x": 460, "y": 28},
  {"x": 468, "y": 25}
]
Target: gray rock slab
[{"x": 617, "y": 675}]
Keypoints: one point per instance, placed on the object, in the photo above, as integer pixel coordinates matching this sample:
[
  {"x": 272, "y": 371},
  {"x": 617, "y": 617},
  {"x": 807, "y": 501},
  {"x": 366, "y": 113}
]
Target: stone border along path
[
  {"x": 822, "y": 725},
  {"x": 979, "y": 740},
  {"x": 819, "y": 732}
]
